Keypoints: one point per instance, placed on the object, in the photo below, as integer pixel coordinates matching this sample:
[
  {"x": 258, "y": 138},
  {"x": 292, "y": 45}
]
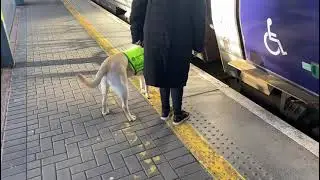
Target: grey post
[{"x": 6, "y": 55}]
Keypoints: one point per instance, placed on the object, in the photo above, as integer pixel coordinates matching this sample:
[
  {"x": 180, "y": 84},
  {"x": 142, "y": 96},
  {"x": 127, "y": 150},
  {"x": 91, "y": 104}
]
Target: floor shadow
[
  {"x": 96, "y": 60},
  {"x": 41, "y": 3},
  {"x": 62, "y": 75}
]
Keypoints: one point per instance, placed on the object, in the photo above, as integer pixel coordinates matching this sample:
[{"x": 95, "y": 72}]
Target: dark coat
[{"x": 170, "y": 30}]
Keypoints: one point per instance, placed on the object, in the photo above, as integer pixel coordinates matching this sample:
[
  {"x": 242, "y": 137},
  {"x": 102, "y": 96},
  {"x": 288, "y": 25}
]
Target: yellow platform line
[{"x": 214, "y": 163}]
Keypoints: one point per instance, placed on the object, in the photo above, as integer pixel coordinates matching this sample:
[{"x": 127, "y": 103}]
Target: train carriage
[{"x": 272, "y": 46}]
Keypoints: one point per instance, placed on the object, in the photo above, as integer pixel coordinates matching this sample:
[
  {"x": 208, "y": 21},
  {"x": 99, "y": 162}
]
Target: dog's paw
[
  {"x": 145, "y": 93},
  {"x": 105, "y": 112},
  {"x": 133, "y": 118}
]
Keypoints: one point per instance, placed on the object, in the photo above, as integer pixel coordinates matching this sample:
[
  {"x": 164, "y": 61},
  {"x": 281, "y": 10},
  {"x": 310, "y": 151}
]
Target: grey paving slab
[
  {"x": 55, "y": 129},
  {"x": 167, "y": 171}
]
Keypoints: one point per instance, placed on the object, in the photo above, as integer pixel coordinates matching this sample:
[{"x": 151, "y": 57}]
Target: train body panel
[
  {"x": 242, "y": 32},
  {"x": 283, "y": 37}
]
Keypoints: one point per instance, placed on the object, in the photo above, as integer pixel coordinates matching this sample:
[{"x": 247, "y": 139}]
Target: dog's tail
[{"x": 96, "y": 81}]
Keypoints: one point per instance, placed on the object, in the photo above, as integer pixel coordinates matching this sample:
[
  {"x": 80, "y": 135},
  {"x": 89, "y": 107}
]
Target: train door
[{"x": 224, "y": 18}]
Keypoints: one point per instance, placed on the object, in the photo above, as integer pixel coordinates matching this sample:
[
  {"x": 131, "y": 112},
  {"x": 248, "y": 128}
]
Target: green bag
[{"x": 135, "y": 57}]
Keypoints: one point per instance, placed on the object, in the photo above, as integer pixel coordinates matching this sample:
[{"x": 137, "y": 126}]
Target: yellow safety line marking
[{"x": 216, "y": 165}]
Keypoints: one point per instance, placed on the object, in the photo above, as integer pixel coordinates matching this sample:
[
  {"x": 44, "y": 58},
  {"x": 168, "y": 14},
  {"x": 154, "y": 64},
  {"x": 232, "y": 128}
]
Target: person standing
[{"x": 168, "y": 30}]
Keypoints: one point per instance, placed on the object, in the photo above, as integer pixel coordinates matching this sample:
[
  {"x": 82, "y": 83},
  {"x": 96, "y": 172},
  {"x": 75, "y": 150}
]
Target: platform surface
[
  {"x": 255, "y": 148},
  {"x": 55, "y": 128}
]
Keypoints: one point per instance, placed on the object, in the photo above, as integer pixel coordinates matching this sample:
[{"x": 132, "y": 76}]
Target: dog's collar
[{"x": 135, "y": 56}]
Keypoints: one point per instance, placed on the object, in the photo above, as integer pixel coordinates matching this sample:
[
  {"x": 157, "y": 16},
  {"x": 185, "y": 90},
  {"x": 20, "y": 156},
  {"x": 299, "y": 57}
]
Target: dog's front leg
[
  {"x": 143, "y": 86},
  {"x": 147, "y": 90}
]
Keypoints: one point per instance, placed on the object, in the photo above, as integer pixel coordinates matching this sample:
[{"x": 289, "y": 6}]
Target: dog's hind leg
[
  {"x": 125, "y": 107},
  {"x": 123, "y": 93},
  {"x": 104, "y": 91}
]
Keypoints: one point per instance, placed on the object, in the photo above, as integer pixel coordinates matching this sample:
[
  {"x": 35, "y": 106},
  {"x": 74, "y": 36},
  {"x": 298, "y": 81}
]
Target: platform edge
[{"x": 285, "y": 128}]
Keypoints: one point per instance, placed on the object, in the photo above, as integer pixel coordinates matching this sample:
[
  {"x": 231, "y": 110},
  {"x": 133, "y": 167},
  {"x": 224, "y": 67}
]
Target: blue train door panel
[{"x": 282, "y": 36}]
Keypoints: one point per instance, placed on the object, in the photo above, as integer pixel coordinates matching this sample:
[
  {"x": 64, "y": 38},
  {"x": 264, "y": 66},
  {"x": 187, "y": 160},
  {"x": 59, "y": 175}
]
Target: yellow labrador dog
[{"x": 113, "y": 73}]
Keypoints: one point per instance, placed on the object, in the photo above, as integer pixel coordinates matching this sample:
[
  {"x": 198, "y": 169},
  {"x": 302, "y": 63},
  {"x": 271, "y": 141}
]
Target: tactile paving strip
[{"x": 226, "y": 146}]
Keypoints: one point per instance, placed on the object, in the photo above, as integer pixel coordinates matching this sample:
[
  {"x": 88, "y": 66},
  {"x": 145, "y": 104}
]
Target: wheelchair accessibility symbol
[{"x": 270, "y": 36}]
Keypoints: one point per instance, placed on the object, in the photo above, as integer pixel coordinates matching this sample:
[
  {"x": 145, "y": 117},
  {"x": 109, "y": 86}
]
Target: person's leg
[
  {"x": 179, "y": 115},
  {"x": 165, "y": 102},
  {"x": 176, "y": 95}
]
